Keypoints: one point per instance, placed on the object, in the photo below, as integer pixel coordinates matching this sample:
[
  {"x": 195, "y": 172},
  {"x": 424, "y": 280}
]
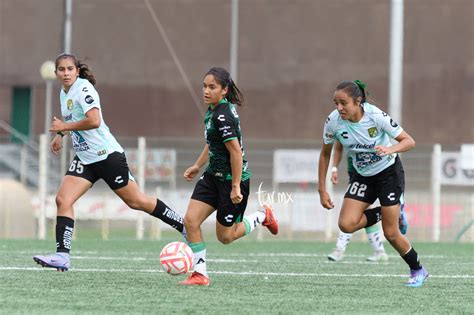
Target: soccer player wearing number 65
[
  {"x": 365, "y": 131},
  {"x": 98, "y": 155}
]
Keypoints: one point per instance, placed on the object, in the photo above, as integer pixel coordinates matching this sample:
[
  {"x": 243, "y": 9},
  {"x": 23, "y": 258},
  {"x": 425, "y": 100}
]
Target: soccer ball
[{"x": 176, "y": 258}]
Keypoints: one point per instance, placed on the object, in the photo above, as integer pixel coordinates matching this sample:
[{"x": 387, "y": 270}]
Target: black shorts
[
  {"x": 113, "y": 170},
  {"x": 388, "y": 186},
  {"x": 216, "y": 193}
]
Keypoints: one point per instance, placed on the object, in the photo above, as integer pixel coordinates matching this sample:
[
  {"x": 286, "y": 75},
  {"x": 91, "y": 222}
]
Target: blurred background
[{"x": 287, "y": 56}]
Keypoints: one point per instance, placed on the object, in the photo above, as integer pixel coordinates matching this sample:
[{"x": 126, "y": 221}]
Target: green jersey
[{"x": 222, "y": 124}]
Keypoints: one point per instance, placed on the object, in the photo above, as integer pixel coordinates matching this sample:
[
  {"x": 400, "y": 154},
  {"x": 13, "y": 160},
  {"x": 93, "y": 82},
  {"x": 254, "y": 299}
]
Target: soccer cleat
[
  {"x": 336, "y": 255},
  {"x": 60, "y": 261},
  {"x": 378, "y": 256},
  {"x": 417, "y": 278},
  {"x": 402, "y": 221},
  {"x": 270, "y": 221},
  {"x": 196, "y": 278}
]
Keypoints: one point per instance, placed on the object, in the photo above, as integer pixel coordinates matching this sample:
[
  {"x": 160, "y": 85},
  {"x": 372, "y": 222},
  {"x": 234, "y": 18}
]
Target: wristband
[
  {"x": 60, "y": 133},
  {"x": 334, "y": 169}
]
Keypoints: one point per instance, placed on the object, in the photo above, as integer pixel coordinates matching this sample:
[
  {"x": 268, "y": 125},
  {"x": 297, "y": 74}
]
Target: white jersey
[
  {"x": 90, "y": 145},
  {"x": 360, "y": 139}
]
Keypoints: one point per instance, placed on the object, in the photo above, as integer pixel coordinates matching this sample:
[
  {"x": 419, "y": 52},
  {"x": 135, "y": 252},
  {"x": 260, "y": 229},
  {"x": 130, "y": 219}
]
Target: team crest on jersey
[
  {"x": 70, "y": 104},
  {"x": 373, "y": 132}
]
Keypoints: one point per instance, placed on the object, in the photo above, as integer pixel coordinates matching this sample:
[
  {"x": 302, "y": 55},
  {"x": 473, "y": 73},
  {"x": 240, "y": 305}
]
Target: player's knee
[
  {"x": 347, "y": 227},
  {"x": 134, "y": 203},
  {"x": 225, "y": 238},
  {"x": 61, "y": 201},
  {"x": 391, "y": 234},
  {"x": 190, "y": 224}
]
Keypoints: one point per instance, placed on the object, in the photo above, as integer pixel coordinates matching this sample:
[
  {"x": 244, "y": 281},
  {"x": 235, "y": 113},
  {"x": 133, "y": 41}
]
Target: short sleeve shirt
[
  {"x": 90, "y": 145},
  {"x": 222, "y": 124},
  {"x": 376, "y": 128}
]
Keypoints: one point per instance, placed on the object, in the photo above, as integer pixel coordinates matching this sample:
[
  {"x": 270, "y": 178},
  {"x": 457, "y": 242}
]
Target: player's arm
[
  {"x": 91, "y": 121},
  {"x": 324, "y": 159},
  {"x": 200, "y": 162},
  {"x": 404, "y": 143},
  {"x": 336, "y": 159},
  {"x": 236, "y": 162}
]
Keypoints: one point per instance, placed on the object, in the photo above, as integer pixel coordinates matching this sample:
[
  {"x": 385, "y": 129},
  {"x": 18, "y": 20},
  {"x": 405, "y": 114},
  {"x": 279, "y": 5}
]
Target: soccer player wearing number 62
[
  {"x": 365, "y": 131},
  {"x": 98, "y": 155}
]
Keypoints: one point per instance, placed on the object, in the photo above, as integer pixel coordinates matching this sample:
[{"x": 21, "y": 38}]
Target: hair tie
[{"x": 361, "y": 86}]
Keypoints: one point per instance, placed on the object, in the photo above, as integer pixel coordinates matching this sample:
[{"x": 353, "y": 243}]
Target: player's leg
[
  {"x": 375, "y": 240},
  {"x": 115, "y": 172},
  {"x": 196, "y": 214},
  {"x": 391, "y": 185},
  {"x": 136, "y": 199},
  {"x": 353, "y": 216},
  {"x": 71, "y": 189},
  {"x": 341, "y": 244},
  {"x": 231, "y": 223},
  {"x": 418, "y": 273}
]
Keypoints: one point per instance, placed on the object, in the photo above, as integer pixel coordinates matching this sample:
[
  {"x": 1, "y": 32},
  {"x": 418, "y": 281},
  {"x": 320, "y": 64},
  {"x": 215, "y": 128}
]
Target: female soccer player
[
  {"x": 98, "y": 155},
  {"x": 225, "y": 183},
  {"x": 365, "y": 131}
]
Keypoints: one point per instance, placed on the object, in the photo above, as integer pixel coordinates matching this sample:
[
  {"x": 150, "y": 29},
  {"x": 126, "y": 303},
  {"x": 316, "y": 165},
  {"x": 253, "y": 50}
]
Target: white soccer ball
[{"x": 176, "y": 258}]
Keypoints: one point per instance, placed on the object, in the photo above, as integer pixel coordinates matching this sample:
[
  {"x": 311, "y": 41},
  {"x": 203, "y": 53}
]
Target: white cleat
[
  {"x": 336, "y": 255},
  {"x": 378, "y": 256}
]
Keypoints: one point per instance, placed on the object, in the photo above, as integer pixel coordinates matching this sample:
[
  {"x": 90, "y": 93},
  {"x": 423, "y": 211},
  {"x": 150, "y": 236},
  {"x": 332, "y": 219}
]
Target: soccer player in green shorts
[{"x": 225, "y": 183}]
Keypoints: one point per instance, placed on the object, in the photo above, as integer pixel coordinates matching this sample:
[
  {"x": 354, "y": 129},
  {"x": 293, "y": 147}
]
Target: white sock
[
  {"x": 376, "y": 241},
  {"x": 200, "y": 262},
  {"x": 342, "y": 240},
  {"x": 251, "y": 221}
]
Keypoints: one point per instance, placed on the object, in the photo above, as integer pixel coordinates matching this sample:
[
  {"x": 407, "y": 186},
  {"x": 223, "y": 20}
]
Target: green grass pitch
[{"x": 123, "y": 276}]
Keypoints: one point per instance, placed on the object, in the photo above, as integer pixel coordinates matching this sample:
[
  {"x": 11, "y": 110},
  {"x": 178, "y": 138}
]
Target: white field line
[
  {"x": 155, "y": 254},
  {"x": 236, "y": 273}
]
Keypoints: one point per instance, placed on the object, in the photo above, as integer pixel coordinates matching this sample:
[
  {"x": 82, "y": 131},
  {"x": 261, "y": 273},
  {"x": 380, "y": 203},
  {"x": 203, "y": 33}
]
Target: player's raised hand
[
  {"x": 191, "y": 172},
  {"x": 57, "y": 125}
]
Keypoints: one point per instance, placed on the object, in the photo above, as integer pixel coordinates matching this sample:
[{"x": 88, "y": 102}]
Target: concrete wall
[{"x": 292, "y": 53}]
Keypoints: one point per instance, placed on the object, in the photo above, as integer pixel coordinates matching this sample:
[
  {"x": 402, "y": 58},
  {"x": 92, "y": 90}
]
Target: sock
[
  {"x": 253, "y": 220},
  {"x": 412, "y": 259},
  {"x": 199, "y": 250},
  {"x": 373, "y": 216},
  {"x": 170, "y": 217},
  {"x": 375, "y": 240},
  {"x": 64, "y": 230},
  {"x": 342, "y": 240}
]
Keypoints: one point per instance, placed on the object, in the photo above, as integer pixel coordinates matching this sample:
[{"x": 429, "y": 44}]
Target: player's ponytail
[
  {"x": 222, "y": 76},
  {"x": 354, "y": 89},
  {"x": 84, "y": 71}
]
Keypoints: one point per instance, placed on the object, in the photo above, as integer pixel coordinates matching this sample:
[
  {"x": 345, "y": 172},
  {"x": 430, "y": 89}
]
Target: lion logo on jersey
[
  {"x": 373, "y": 132},
  {"x": 70, "y": 104}
]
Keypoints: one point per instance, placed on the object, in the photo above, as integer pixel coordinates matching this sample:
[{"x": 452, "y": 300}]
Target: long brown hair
[{"x": 84, "y": 71}]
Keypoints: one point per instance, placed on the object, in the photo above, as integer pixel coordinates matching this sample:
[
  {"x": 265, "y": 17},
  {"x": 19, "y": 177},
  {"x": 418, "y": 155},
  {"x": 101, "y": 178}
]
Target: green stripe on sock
[
  {"x": 197, "y": 247},
  {"x": 372, "y": 229},
  {"x": 247, "y": 226}
]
